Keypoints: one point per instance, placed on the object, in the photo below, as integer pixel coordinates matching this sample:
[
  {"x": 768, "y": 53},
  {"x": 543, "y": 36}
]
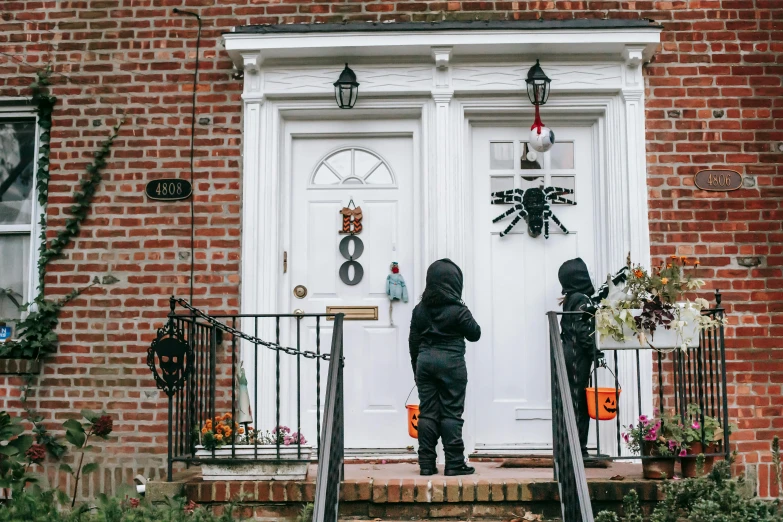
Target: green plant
[
  {"x": 15, "y": 452},
  {"x": 701, "y": 427},
  {"x": 306, "y": 514},
  {"x": 662, "y": 434},
  {"x": 715, "y": 497},
  {"x": 79, "y": 433},
  {"x": 659, "y": 295}
]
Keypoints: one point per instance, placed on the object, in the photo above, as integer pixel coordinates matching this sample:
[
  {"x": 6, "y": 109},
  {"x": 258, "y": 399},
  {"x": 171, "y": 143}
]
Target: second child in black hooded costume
[
  {"x": 440, "y": 324},
  {"x": 577, "y": 334}
]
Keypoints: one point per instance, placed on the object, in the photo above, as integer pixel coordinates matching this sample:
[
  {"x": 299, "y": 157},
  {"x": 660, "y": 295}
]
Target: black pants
[
  {"x": 579, "y": 368},
  {"x": 442, "y": 379}
]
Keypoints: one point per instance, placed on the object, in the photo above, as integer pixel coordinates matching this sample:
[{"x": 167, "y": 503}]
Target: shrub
[{"x": 713, "y": 498}]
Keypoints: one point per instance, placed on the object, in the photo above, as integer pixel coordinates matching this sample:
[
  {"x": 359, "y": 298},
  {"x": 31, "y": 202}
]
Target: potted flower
[
  {"x": 227, "y": 441},
  {"x": 702, "y": 435},
  {"x": 658, "y": 441},
  {"x": 650, "y": 309}
]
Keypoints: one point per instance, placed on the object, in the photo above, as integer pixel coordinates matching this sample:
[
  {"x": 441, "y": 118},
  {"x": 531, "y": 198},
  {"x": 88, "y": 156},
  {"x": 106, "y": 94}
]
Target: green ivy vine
[{"x": 36, "y": 333}]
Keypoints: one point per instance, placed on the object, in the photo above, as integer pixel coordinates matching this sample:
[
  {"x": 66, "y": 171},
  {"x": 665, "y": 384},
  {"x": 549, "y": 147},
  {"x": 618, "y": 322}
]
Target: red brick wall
[{"x": 714, "y": 100}]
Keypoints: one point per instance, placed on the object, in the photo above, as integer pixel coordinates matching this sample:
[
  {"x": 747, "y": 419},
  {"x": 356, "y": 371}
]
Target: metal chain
[{"x": 251, "y": 338}]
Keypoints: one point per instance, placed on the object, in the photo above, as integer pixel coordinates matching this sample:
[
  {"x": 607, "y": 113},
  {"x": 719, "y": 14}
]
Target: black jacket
[
  {"x": 577, "y": 331},
  {"x": 441, "y": 320}
]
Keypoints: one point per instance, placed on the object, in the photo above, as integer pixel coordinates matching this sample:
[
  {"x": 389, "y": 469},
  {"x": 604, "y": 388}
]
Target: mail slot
[{"x": 354, "y": 313}]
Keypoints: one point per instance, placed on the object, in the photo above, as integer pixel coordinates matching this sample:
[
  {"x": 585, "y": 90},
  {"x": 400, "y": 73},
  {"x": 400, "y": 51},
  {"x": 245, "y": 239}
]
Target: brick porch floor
[{"x": 395, "y": 491}]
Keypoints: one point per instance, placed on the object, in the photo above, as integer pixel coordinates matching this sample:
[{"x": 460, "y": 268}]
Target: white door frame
[{"x": 596, "y": 78}]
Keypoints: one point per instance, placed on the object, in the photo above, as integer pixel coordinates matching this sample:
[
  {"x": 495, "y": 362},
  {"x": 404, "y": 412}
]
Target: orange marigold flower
[
  {"x": 226, "y": 416},
  {"x": 669, "y": 265},
  {"x": 204, "y": 431},
  {"x": 664, "y": 280},
  {"x": 674, "y": 257},
  {"x": 638, "y": 273},
  {"x": 219, "y": 436},
  {"x": 241, "y": 430}
]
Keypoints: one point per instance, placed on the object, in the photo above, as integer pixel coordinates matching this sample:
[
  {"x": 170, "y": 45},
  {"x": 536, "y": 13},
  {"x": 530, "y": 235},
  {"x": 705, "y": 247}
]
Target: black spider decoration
[{"x": 532, "y": 205}]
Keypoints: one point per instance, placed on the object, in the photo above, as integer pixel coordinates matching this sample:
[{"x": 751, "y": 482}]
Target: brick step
[{"x": 395, "y": 492}]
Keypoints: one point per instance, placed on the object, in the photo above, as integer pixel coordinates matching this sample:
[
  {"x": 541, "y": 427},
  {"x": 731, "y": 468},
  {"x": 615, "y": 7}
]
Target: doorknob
[
  {"x": 300, "y": 291},
  {"x": 298, "y": 311}
]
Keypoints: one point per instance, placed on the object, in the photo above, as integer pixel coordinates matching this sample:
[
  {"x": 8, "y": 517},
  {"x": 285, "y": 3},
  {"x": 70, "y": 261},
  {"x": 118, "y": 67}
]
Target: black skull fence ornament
[{"x": 170, "y": 358}]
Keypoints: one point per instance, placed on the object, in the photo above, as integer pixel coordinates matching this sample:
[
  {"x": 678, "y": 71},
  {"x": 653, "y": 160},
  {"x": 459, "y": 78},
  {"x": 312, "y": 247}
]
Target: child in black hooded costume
[
  {"x": 440, "y": 324},
  {"x": 577, "y": 333}
]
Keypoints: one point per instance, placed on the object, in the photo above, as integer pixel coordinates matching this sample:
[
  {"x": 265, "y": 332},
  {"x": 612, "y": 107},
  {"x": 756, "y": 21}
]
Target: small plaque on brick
[
  {"x": 168, "y": 189},
  {"x": 718, "y": 180}
]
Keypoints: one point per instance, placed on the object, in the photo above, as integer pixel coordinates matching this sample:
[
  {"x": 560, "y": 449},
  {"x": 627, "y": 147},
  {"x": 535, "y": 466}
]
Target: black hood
[
  {"x": 444, "y": 283},
  {"x": 574, "y": 277}
]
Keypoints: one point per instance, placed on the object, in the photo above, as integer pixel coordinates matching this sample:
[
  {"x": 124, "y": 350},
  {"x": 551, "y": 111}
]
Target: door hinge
[{"x": 285, "y": 261}]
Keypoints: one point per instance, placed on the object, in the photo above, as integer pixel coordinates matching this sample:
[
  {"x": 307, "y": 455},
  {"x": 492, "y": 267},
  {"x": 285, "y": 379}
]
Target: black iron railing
[
  {"x": 292, "y": 365},
  {"x": 332, "y": 450},
  {"x": 568, "y": 464},
  {"x": 694, "y": 376}
]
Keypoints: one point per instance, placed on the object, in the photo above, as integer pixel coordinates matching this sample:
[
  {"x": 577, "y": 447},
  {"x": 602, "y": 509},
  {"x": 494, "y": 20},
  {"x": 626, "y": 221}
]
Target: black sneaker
[
  {"x": 426, "y": 472},
  {"x": 462, "y": 470}
]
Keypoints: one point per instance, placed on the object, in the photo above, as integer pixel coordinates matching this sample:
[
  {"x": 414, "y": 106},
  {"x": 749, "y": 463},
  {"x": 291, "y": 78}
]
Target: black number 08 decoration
[{"x": 358, "y": 249}]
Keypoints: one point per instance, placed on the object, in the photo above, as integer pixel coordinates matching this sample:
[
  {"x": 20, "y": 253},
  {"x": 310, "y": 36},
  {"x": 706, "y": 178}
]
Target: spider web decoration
[{"x": 532, "y": 205}]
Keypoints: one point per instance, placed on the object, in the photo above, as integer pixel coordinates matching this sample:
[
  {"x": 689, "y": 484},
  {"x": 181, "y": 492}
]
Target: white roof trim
[{"x": 248, "y": 49}]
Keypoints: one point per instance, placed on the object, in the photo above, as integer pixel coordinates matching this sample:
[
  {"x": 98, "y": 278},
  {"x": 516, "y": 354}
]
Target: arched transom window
[{"x": 353, "y": 166}]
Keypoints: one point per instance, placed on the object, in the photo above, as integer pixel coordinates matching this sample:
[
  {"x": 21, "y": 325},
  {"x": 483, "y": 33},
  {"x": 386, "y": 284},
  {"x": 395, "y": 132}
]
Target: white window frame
[{"x": 23, "y": 108}]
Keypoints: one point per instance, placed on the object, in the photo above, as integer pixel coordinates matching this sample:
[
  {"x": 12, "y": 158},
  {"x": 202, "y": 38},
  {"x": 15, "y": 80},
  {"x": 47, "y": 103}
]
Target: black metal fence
[
  {"x": 295, "y": 361},
  {"x": 568, "y": 465},
  {"x": 696, "y": 376}
]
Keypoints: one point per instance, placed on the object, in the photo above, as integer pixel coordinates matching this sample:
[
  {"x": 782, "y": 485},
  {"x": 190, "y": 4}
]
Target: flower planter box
[
  {"x": 662, "y": 338},
  {"x": 292, "y": 465}
]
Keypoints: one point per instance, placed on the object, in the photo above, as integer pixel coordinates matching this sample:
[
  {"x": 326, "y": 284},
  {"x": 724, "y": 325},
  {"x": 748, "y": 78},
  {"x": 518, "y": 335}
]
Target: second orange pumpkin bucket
[
  {"x": 607, "y": 402},
  {"x": 413, "y": 420},
  {"x": 413, "y": 416}
]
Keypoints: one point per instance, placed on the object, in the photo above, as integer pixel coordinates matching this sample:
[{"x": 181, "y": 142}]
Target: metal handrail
[
  {"x": 332, "y": 450},
  {"x": 568, "y": 465}
]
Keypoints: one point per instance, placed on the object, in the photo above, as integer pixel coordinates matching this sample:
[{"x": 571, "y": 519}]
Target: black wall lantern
[
  {"x": 346, "y": 89},
  {"x": 537, "y": 85}
]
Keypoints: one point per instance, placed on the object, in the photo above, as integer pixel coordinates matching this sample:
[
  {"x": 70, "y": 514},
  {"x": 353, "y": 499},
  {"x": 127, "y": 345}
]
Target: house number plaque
[
  {"x": 168, "y": 189},
  {"x": 718, "y": 180}
]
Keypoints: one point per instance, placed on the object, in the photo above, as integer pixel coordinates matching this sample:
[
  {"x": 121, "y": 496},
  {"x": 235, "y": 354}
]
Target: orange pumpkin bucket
[
  {"x": 604, "y": 400},
  {"x": 413, "y": 417},
  {"x": 607, "y": 403}
]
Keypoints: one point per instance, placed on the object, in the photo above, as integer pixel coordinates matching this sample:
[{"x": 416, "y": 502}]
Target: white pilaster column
[
  {"x": 636, "y": 162},
  {"x": 259, "y": 188},
  {"x": 636, "y": 242},
  {"x": 443, "y": 185}
]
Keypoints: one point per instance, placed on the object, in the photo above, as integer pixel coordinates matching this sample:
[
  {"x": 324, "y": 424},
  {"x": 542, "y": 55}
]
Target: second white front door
[
  {"x": 515, "y": 279},
  {"x": 374, "y": 171}
]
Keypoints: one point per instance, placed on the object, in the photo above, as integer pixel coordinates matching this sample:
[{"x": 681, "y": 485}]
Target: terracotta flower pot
[
  {"x": 656, "y": 467},
  {"x": 690, "y": 467}
]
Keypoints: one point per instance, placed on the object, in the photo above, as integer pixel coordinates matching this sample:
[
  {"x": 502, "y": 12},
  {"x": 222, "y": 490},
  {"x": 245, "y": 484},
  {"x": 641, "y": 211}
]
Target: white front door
[
  {"x": 515, "y": 280},
  {"x": 376, "y": 173}
]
